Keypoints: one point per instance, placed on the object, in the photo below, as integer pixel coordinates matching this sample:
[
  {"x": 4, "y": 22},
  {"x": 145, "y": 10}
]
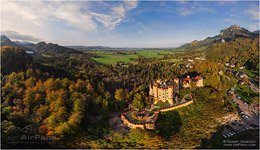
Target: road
[
  {"x": 253, "y": 86},
  {"x": 249, "y": 117},
  {"x": 117, "y": 124}
]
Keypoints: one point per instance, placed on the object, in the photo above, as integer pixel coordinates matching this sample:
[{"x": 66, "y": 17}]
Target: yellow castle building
[{"x": 164, "y": 90}]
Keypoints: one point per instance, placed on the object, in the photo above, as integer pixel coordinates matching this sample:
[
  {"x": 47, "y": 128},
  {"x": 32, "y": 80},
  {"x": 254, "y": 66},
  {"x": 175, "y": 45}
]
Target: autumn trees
[
  {"x": 58, "y": 105},
  {"x": 14, "y": 59},
  {"x": 140, "y": 101},
  {"x": 240, "y": 52},
  {"x": 62, "y": 92}
]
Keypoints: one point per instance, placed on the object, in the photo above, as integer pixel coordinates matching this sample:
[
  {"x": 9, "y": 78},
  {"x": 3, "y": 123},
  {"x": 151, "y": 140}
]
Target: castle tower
[
  {"x": 155, "y": 92},
  {"x": 151, "y": 89},
  {"x": 176, "y": 80},
  {"x": 176, "y": 85},
  {"x": 170, "y": 95},
  {"x": 164, "y": 91}
]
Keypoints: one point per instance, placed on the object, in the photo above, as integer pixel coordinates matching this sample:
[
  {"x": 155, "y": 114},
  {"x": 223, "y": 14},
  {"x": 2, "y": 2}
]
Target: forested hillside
[{"x": 70, "y": 97}]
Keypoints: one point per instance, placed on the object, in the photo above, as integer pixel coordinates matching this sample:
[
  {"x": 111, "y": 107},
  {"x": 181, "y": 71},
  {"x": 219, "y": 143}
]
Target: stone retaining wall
[
  {"x": 151, "y": 125},
  {"x": 130, "y": 124}
]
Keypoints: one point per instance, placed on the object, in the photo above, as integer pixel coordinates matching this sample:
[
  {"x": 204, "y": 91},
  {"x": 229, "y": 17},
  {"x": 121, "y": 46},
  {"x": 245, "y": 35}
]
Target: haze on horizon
[{"x": 123, "y": 23}]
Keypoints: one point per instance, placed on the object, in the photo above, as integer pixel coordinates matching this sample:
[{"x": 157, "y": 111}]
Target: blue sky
[{"x": 123, "y": 23}]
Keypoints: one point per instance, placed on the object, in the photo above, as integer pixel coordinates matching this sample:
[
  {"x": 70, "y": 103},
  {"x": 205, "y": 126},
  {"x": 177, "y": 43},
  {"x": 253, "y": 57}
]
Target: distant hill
[
  {"x": 116, "y": 48},
  {"x": 25, "y": 44},
  {"x": 229, "y": 34},
  {"x": 89, "y": 47},
  {"x": 50, "y": 47},
  {"x": 40, "y": 47},
  {"x": 5, "y": 41},
  {"x": 103, "y": 48},
  {"x": 14, "y": 59}
]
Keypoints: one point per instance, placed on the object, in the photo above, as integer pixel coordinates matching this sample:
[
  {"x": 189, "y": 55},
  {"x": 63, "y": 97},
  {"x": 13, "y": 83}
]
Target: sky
[{"x": 123, "y": 23}]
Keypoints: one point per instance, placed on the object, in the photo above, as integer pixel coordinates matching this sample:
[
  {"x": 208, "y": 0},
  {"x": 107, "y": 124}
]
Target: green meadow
[
  {"x": 129, "y": 56},
  {"x": 246, "y": 93}
]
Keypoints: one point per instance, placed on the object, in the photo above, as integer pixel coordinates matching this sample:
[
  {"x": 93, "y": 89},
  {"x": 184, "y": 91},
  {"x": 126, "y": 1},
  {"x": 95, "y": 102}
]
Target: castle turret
[
  {"x": 176, "y": 80},
  {"x": 170, "y": 95},
  {"x": 150, "y": 90},
  {"x": 164, "y": 91}
]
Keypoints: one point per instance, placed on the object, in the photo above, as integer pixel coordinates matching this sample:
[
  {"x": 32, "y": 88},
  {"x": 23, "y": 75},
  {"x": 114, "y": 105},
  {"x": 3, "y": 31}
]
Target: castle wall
[
  {"x": 148, "y": 125},
  {"x": 176, "y": 80},
  {"x": 155, "y": 91},
  {"x": 151, "y": 125},
  {"x": 187, "y": 85},
  {"x": 150, "y": 90},
  {"x": 199, "y": 83},
  {"x": 129, "y": 124}
]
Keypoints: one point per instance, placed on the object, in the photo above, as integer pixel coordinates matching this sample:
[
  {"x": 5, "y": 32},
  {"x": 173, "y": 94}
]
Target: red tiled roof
[
  {"x": 187, "y": 79},
  {"x": 197, "y": 78}
]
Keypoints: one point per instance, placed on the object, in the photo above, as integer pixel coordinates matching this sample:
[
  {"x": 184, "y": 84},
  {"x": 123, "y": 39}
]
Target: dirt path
[{"x": 117, "y": 124}]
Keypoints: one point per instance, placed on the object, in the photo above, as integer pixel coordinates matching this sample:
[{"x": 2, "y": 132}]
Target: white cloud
[
  {"x": 227, "y": 2},
  {"x": 189, "y": 8},
  {"x": 47, "y": 19},
  {"x": 14, "y": 35},
  {"x": 39, "y": 13},
  {"x": 253, "y": 12},
  {"x": 144, "y": 29},
  {"x": 71, "y": 14},
  {"x": 116, "y": 16},
  {"x": 253, "y": 27},
  {"x": 232, "y": 20}
]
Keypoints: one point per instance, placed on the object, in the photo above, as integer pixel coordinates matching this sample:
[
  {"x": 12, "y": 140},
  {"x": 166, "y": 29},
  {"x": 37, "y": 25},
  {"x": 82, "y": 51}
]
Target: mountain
[
  {"x": 25, "y": 44},
  {"x": 236, "y": 31},
  {"x": 89, "y": 47},
  {"x": 50, "y": 47},
  {"x": 5, "y": 41},
  {"x": 229, "y": 34},
  {"x": 117, "y": 48},
  {"x": 103, "y": 48},
  {"x": 39, "y": 47}
]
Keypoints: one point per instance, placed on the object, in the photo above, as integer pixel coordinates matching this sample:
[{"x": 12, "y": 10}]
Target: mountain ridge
[
  {"x": 40, "y": 47},
  {"x": 229, "y": 34}
]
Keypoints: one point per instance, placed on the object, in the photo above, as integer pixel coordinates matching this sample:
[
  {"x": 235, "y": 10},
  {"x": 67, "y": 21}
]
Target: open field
[
  {"x": 251, "y": 73},
  {"x": 112, "y": 57},
  {"x": 162, "y": 104}
]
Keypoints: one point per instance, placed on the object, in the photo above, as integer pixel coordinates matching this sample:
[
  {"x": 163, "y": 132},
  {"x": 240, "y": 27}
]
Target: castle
[
  {"x": 168, "y": 91},
  {"x": 164, "y": 91}
]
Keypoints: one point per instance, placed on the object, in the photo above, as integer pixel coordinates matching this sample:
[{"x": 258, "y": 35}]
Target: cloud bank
[
  {"x": 40, "y": 18},
  {"x": 18, "y": 36},
  {"x": 253, "y": 12}
]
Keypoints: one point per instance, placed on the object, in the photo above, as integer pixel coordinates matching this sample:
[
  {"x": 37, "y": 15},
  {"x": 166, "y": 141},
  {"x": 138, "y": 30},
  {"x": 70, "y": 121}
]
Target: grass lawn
[
  {"x": 112, "y": 57},
  {"x": 251, "y": 73},
  {"x": 246, "y": 93},
  {"x": 162, "y": 104}
]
